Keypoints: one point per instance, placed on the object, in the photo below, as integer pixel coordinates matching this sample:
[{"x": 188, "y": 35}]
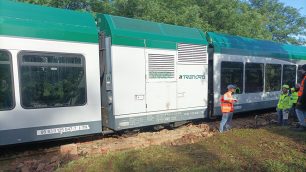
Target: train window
[
  {"x": 52, "y": 80},
  {"x": 6, "y": 81},
  {"x": 231, "y": 73},
  {"x": 289, "y": 74},
  {"x": 253, "y": 77},
  {"x": 273, "y": 77}
]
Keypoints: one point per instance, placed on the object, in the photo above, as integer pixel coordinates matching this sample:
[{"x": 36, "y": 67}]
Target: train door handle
[{"x": 139, "y": 97}]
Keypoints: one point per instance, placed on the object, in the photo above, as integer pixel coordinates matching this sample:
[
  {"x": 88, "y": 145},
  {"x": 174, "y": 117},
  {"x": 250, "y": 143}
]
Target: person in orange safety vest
[
  {"x": 227, "y": 108},
  {"x": 300, "y": 108}
]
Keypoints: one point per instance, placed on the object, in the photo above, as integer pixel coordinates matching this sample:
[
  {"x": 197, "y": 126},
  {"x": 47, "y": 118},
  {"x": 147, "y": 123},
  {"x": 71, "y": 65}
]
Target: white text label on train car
[
  {"x": 62, "y": 130},
  {"x": 237, "y": 107}
]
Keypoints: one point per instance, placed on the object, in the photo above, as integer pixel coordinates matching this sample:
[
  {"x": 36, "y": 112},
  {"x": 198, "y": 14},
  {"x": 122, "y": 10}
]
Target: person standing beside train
[
  {"x": 294, "y": 99},
  {"x": 227, "y": 108},
  {"x": 301, "y": 102},
  {"x": 283, "y": 106}
]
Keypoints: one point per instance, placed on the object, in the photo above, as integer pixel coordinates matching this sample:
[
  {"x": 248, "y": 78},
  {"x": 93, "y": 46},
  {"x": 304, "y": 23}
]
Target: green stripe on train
[
  {"x": 33, "y": 21},
  {"x": 236, "y": 45},
  {"x": 141, "y": 33}
]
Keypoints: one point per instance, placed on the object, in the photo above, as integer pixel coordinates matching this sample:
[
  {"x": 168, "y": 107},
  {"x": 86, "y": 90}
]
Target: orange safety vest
[
  {"x": 227, "y": 105},
  {"x": 302, "y": 87}
]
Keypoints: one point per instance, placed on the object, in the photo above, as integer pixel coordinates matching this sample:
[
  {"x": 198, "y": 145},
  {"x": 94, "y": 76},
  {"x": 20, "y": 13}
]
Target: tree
[
  {"x": 233, "y": 17},
  {"x": 227, "y": 16},
  {"x": 262, "y": 19},
  {"x": 171, "y": 11},
  {"x": 284, "y": 23},
  {"x": 80, "y": 5}
]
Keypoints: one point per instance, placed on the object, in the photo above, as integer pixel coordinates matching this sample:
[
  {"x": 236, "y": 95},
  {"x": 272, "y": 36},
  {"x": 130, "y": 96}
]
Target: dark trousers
[
  {"x": 292, "y": 112},
  {"x": 282, "y": 114}
]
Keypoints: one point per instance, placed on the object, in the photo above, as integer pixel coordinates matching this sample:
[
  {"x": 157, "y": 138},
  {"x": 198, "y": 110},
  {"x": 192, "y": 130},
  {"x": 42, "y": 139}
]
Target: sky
[{"x": 299, "y": 4}]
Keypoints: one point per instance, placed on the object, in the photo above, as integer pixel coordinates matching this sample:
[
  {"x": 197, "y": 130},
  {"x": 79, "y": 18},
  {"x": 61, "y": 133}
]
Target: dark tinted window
[
  {"x": 273, "y": 77},
  {"x": 6, "y": 81},
  {"x": 289, "y": 74},
  {"x": 231, "y": 73},
  {"x": 52, "y": 80},
  {"x": 253, "y": 77}
]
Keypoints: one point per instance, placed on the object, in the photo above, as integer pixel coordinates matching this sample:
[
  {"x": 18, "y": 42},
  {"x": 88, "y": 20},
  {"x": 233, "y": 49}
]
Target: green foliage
[
  {"x": 234, "y": 17},
  {"x": 283, "y": 22},
  {"x": 171, "y": 11},
  {"x": 262, "y": 19},
  {"x": 67, "y": 4}
]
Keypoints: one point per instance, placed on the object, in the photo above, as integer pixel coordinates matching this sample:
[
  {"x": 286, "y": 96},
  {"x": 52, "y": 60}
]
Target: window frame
[
  {"x": 296, "y": 68},
  {"x": 298, "y": 80},
  {"x": 263, "y": 77},
  {"x": 20, "y": 62},
  {"x": 12, "y": 78},
  {"x": 243, "y": 79}
]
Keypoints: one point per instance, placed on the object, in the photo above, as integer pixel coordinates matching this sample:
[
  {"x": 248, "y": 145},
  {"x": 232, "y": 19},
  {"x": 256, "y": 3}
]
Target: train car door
[
  {"x": 160, "y": 80},
  {"x": 192, "y": 72}
]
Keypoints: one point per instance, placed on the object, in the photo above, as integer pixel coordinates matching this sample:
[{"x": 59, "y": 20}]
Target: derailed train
[{"x": 63, "y": 73}]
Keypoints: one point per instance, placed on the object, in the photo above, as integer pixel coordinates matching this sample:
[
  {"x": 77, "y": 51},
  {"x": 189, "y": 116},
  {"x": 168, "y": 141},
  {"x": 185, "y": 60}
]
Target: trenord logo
[{"x": 192, "y": 77}]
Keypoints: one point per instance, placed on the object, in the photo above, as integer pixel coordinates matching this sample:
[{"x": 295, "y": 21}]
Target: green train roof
[
  {"x": 236, "y": 45},
  {"x": 140, "y": 33},
  {"x": 33, "y": 21}
]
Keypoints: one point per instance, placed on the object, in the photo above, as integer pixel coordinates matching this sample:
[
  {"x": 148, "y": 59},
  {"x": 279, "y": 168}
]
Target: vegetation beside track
[{"x": 265, "y": 149}]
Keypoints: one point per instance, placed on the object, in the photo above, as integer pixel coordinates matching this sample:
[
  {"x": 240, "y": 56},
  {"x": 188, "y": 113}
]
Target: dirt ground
[{"x": 49, "y": 158}]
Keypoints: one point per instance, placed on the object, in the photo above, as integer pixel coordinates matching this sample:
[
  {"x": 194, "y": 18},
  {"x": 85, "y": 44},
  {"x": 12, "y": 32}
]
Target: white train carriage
[
  {"x": 49, "y": 73},
  {"x": 153, "y": 73},
  {"x": 257, "y": 67}
]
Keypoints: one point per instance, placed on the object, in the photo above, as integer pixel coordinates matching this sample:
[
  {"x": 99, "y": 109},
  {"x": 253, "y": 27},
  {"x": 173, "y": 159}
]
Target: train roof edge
[
  {"x": 34, "y": 21},
  {"x": 141, "y": 33},
  {"x": 236, "y": 45}
]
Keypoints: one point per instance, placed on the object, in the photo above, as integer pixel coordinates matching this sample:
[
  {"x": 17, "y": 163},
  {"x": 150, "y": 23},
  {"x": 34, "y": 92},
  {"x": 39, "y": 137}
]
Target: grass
[{"x": 268, "y": 149}]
